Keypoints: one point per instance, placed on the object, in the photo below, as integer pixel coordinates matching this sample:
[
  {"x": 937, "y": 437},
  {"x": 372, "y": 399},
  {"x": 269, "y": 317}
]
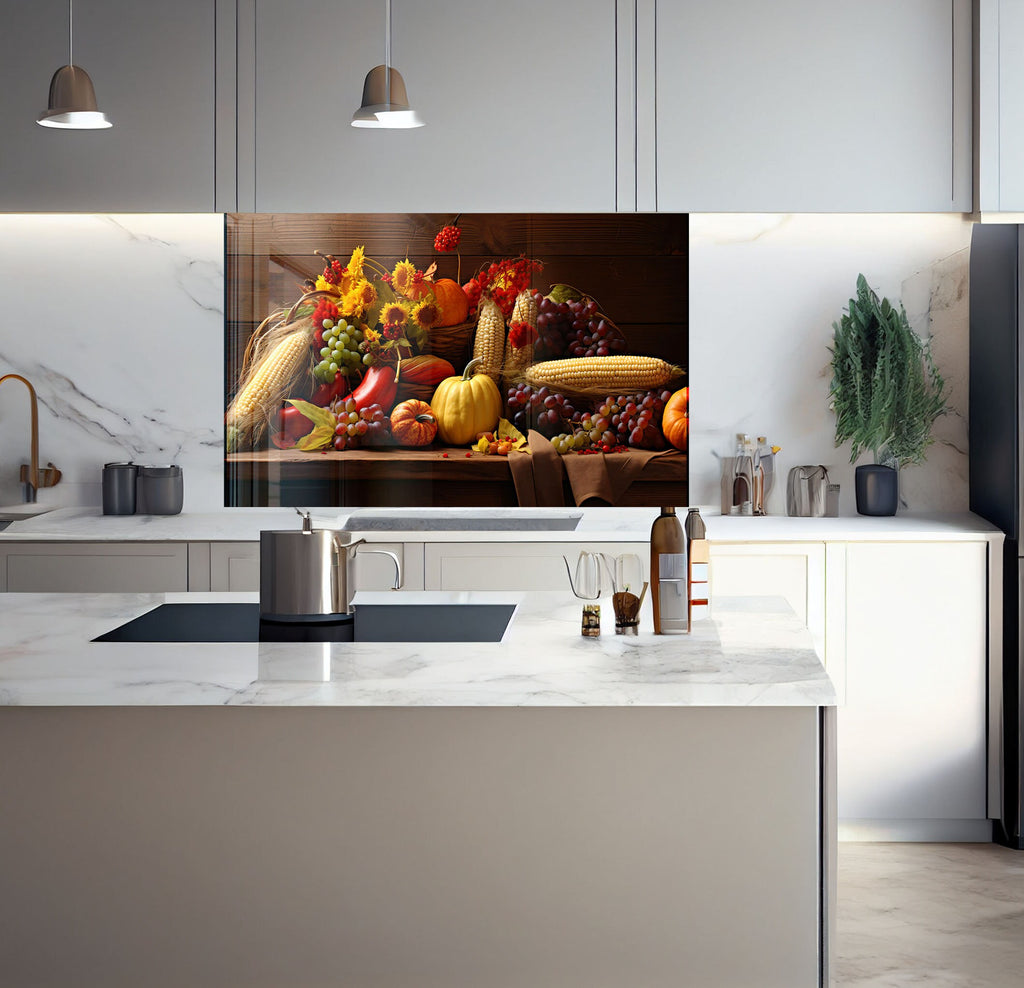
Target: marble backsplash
[{"x": 118, "y": 322}]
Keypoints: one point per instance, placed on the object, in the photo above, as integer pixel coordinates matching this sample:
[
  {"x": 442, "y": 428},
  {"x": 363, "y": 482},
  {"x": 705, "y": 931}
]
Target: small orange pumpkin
[
  {"x": 675, "y": 422},
  {"x": 413, "y": 423},
  {"x": 452, "y": 302}
]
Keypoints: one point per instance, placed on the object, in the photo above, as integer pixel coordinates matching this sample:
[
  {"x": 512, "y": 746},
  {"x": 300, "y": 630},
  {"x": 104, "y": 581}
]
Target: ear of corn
[
  {"x": 517, "y": 359},
  {"x": 489, "y": 342},
  {"x": 268, "y": 383},
  {"x": 620, "y": 372}
]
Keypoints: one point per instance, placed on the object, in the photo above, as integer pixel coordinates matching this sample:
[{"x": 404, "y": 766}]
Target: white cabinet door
[
  {"x": 236, "y": 566},
  {"x": 518, "y": 101},
  {"x": 152, "y": 66},
  {"x": 911, "y": 735},
  {"x": 513, "y": 565},
  {"x": 1000, "y": 105},
  {"x": 800, "y": 105},
  {"x": 794, "y": 571},
  {"x": 95, "y": 567}
]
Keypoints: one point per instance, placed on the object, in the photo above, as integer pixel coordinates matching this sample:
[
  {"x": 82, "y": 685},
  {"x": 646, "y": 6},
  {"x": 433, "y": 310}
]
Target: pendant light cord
[
  {"x": 71, "y": 32},
  {"x": 387, "y": 52}
]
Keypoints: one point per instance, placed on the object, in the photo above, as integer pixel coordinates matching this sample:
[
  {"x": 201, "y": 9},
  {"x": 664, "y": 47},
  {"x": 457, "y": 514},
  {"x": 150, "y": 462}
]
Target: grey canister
[
  {"x": 119, "y": 480},
  {"x": 160, "y": 490}
]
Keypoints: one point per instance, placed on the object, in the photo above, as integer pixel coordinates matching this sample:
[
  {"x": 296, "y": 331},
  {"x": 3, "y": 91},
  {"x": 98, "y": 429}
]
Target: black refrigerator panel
[
  {"x": 994, "y": 421},
  {"x": 1007, "y": 829}
]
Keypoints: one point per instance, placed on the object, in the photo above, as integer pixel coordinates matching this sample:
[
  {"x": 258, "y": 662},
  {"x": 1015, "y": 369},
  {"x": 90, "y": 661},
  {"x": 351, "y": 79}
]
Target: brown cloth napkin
[
  {"x": 539, "y": 474},
  {"x": 606, "y": 477}
]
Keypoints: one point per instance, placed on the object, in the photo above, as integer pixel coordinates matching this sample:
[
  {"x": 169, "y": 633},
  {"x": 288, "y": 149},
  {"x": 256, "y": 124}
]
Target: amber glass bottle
[{"x": 668, "y": 573}]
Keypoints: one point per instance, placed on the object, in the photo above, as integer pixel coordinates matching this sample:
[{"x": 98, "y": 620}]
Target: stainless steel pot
[{"x": 307, "y": 573}]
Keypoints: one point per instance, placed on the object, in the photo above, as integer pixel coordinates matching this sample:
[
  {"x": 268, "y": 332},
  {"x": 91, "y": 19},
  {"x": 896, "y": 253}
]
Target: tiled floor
[{"x": 942, "y": 915}]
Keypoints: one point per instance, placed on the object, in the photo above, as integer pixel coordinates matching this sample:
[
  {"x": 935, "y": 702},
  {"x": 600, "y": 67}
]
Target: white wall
[
  {"x": 764, "y": 292},
  {"x": 118, "y": 321}
]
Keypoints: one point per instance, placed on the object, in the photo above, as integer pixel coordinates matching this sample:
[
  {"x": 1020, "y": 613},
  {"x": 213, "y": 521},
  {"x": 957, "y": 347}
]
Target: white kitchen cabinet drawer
[
  {"x": 513, "y": 565},
  {"x": 912, "y": 732},
  {"x": 94, "y": 567},
  {"x": 153, "y": 69},
  {"x": 800, "y": 106},
  {"x": 236, "y": 566},
  {"x": 519, "y": 104}
]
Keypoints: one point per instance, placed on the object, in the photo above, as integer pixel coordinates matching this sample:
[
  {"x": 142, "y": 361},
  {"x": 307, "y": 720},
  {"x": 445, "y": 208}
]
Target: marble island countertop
[
  {"x": 751, "y": 652},
  {"x": 594, "y": 524}
]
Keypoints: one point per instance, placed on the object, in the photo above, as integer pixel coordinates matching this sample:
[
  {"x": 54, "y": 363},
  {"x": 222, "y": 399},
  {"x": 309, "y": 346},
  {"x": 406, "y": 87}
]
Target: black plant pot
[{"x": 878, "y": 489}]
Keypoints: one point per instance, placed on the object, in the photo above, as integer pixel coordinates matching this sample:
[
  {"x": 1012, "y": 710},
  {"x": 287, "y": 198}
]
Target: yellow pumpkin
[
  {"x": 675, "y": 421},
  {"x": 465, "y": 406}
]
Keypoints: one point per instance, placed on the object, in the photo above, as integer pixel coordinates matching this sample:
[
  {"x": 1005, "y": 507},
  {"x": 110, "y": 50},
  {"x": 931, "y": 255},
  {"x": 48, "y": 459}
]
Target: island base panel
[{"x": 426, "y": 847}]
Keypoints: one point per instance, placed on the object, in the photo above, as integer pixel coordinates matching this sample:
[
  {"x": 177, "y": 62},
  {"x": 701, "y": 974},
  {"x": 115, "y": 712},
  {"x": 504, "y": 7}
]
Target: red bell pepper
[
  {"x": 293, "y": 425},
  {"x": 378, "y": 387},
  {"x": 326, "y": 393}
]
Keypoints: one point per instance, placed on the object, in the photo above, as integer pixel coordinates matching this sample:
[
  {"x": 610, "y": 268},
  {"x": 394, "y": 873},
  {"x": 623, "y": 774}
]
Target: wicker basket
[{"x": 453, "y": 343}]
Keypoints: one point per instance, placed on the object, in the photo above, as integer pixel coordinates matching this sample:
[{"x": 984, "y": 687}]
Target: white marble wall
[
  {"x": 764, "y": 292},
  {"x": 118, "y": 322}
]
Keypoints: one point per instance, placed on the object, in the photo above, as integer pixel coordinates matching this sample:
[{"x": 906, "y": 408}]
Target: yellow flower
[
  {"x": 355, "y": 263},
  {"x": 323, "y": 285},
  {"x": 426, "y": 313},
  {"x": 394, "y": 314},
  {"x": 367, "y": 293},
  {"x": 371, "y": 335},
  {"x": 358, "y": 298},
  {"x": 402, "y": 276}
]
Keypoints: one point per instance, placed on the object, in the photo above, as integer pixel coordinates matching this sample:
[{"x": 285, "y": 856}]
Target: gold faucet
[{"x": 31, "y": 477}]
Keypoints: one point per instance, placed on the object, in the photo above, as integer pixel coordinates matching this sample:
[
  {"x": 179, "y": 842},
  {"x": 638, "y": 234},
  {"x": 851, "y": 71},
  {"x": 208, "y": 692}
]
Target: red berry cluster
[
  {"x": 505, "y": 279},
  {"x": 334, "y": 271},
  {"x": 447, "y": 239}
]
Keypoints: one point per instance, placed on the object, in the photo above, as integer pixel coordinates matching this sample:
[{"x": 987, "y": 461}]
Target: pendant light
[
  {"x": 72, "y": 99},
  {"x": 385, "y": 103}
]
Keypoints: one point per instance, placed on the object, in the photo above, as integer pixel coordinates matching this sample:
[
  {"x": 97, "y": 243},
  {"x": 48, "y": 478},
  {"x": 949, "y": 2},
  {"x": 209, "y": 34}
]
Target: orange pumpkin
[
  {"x": 413, "y": 423},
  {"x": 452, "y": 302},
  {"x": 675, "y": 422}
]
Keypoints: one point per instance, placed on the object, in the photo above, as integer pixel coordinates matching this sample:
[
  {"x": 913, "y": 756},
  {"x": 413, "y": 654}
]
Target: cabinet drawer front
[{"x": 96, "y": 568}]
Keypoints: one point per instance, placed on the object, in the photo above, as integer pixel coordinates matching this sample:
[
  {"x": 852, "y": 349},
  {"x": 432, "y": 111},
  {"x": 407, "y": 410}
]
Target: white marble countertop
[
  {"x": 750, "y": 652},
  {"x": 595, "y": 524}
]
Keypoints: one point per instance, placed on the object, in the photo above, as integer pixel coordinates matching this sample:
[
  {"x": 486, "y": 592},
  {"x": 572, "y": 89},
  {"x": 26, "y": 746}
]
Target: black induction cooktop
[{"x": 240, "y": 622}]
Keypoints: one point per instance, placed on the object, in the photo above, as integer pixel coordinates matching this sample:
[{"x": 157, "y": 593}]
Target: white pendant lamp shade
[
  {"x": 385, "y": 103},
  {"x": 72, "y": 102}
]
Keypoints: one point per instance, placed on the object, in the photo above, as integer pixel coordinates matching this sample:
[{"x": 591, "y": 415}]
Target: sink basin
[
  {"x": 462, "y": 520},
  {"x": 18, "y": 512},
  {"x": 240, "y": 622}
]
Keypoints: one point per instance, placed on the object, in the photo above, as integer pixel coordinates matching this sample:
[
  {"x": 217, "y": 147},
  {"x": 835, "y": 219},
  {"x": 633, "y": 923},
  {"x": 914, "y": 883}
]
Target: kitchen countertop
[
  {"x": 751, "y": 652},
  {"x": 596, "y": 524}
]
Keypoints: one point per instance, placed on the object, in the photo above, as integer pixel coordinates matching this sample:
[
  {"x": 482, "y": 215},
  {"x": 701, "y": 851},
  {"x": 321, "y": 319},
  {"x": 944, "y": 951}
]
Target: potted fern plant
[{"x": 886, "y": 393}]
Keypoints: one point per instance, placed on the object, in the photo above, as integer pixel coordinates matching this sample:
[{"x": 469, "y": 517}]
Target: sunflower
[
  {"x": 394, "y": 314},
  {"x": 403, "y": 276},
  {"x": 426, "y": 313},
  {"x": 323, "y": 285},
  {"x": 355, "y": 263},
  {"x": 359, "y": 298},
  {"x": 371, "y": 336}
]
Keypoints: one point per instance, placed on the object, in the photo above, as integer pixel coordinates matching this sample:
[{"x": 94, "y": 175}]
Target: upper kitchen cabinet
[
  {"x": 803, "y": 106},
  {"x": 153, "y": 69},
  {"x": 518, "y": 101},
  {"x": 999, "y": 107}
]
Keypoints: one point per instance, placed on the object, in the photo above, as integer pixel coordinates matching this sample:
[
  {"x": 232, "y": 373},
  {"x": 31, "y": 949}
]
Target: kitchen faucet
[{"x": 31, "y": 477}]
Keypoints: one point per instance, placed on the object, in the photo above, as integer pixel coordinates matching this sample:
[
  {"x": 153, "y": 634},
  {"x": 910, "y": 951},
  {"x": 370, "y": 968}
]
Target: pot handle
[{"x": 387, "y": 552}]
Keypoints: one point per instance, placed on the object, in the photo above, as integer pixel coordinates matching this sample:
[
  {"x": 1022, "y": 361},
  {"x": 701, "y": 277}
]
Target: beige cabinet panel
[
  {"x": 95, "y": 567},
  {"x": 513, "y": 565}
]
